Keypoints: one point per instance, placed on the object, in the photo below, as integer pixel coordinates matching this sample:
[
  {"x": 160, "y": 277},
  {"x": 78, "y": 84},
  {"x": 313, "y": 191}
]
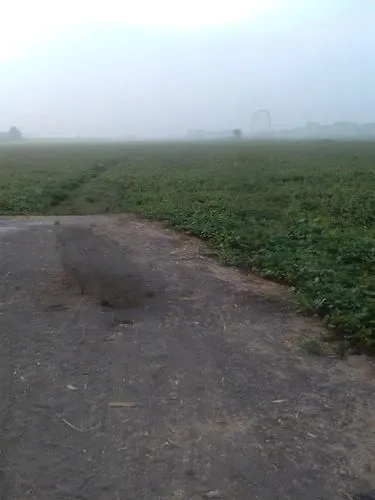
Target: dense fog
[{"x": 110, "y": 69}]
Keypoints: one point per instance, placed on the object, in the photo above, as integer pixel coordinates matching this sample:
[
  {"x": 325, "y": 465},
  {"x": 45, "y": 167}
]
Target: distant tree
[
  {"x": 237, "y": 133},
  {"x": 14, "y": 134}
]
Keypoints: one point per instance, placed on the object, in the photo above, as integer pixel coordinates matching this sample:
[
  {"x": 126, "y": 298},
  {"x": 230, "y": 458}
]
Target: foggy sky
[{"x": 305, "y": 61}]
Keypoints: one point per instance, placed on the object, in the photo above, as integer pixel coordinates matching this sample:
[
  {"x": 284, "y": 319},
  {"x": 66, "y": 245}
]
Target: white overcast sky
[{"x": 158, "y": 67}]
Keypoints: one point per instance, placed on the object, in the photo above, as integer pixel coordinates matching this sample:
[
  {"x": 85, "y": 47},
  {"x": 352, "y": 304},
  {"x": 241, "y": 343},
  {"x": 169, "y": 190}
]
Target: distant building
[
  {"x": 208, "y": 135},
  {"x": 337, "y": 130},
  {"x": 313, "y": 125}
]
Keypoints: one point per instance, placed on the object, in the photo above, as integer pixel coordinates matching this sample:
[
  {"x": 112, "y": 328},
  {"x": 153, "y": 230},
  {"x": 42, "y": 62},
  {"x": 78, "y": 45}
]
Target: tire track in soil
[{"x": 94, "y": 173}]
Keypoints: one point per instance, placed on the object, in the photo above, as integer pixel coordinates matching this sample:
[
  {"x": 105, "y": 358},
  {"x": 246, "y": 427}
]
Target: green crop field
[{"x": 300, "y": 213}]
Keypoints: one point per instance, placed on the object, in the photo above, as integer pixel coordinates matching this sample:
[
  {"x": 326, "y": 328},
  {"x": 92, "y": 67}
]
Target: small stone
[{"x": 212, "y": 494}]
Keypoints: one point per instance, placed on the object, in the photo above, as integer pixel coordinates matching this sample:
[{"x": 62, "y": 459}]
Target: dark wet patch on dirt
[{"x": 103, "y": 270}]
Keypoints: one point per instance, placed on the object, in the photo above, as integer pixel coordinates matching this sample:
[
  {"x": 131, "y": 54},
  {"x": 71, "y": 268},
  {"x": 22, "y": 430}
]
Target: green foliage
[{"x": 300, "y": 213}]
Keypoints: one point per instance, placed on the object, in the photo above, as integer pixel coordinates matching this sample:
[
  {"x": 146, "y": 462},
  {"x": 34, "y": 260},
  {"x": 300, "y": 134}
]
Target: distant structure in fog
[
  {"x": 207, "y": 135},
  {"x": 337, "y": 130},
  {"x": 261, "y": 122},
  {"x": 13, "y": 134}
]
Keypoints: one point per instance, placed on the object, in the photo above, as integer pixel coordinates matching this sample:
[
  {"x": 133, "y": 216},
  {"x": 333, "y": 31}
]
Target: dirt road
[{"x": 132, "y": 366}]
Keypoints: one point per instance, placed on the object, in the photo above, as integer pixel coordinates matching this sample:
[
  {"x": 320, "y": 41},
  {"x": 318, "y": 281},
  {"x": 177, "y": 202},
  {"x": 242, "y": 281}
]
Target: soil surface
[{"x": 133, "y": 366}]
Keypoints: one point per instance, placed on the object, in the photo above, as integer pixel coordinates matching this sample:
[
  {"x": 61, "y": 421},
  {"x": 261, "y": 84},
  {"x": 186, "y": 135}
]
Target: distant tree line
[
  {"x": 13, "y": 135},
  {"x": 237, "y": 133}
]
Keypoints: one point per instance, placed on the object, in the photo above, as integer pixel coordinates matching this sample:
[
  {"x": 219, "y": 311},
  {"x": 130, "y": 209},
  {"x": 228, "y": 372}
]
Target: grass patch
[
  {"x": 300, "y": 213},
  {"x": 313, "y": 347}
]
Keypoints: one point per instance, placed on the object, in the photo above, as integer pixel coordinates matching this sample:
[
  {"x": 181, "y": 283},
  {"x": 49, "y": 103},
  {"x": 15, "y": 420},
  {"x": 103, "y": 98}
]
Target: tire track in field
[{"x": 70, "y": 190}]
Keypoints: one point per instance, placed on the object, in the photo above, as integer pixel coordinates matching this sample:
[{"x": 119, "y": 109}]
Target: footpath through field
[{"x": 133, "y": 366}]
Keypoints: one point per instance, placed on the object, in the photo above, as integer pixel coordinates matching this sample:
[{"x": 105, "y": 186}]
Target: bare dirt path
[{"x": 132, "y": 366}]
